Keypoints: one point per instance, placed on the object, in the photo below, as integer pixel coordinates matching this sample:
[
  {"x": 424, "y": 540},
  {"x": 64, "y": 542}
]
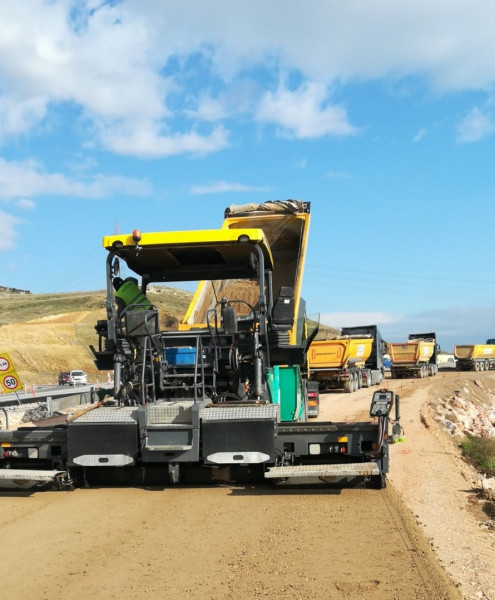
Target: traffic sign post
[{"x": 9, "y": 380}]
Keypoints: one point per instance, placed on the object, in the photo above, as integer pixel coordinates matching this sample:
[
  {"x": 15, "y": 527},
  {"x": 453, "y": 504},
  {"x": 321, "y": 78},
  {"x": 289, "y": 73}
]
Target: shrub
[{"x": 480, "y": 452}]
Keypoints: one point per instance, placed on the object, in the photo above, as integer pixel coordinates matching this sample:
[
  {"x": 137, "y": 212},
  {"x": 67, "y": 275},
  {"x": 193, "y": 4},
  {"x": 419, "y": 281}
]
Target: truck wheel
[
  {"x": 482, "y": 366},
  {"x": 359, "y": 380},
  {"x": 487, "y": 365},
  {"x": 348, "y": 388},
  {"x": 476, "y": 366}
]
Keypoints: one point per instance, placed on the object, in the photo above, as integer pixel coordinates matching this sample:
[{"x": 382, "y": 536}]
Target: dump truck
[
  {"x": 418, "y": 357},
  {"x": 478, "y": 357},
  {"x": 223, "y": 393},
  {"x": 373, "y": 372},
  {"x": 340, "y": 363},
  {"x": 352, "y": 361}
]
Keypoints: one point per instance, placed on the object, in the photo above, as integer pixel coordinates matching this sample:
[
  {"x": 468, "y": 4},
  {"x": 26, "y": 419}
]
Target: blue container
[{"x": 180, "y": 356}]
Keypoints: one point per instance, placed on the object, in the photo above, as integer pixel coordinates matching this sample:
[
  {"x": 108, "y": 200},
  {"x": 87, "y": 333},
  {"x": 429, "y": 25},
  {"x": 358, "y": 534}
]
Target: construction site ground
[{"x": 423, "y": 537}]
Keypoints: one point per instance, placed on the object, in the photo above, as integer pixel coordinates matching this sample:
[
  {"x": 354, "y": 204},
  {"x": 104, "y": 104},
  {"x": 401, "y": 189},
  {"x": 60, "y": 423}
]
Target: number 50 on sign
[{"x": 9, "y": 380}]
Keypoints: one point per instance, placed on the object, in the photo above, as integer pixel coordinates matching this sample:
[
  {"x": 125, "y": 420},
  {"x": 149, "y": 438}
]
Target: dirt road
[
  {"x": 224, "y": 542},
  {"x": 432, "y": 480}
]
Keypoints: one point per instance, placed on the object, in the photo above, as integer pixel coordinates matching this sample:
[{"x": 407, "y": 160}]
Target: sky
[{"x": 158, "y": 114}]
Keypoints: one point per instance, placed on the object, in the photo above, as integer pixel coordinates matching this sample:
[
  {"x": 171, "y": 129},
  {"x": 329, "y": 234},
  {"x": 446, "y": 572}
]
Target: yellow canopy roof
[{"x": 191, "y": 255}]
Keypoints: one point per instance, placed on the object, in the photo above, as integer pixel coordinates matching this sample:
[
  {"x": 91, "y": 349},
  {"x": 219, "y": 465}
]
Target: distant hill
[{"x": 9, "y": 290}]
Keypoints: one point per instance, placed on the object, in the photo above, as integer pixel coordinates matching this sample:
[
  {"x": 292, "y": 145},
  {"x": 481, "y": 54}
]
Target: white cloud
[
  {"x": 19, "y": 115},
  {"x": 449, "y": 42},
  {"x": 351, "y": 319},
  {"x": 474, "y": 127},
  {"x": 8, "y": 231},
  {"x": 224, "y": 186},
  {"x": 130, "y": 66},
  {"x": 304, "y": 113},
  {"x": 19, "y": 180},
  {"x": 238, "y": 98},
  {"x": 420, "y": 135},
  {"x": 25, "y": 204},
  {"x": 146, "y": 142}
]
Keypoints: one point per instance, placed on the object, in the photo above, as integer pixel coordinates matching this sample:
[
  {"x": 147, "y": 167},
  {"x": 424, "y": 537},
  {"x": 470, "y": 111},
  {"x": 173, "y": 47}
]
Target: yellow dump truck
[
  {"x": 418, "y": 357},
  {"x": 352, "y": 361},
  {"x": 478, "y": 357},
  {"x": 339, "y": 363}
]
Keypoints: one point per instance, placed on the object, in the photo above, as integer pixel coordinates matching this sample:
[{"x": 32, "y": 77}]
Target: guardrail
[{"x": 59, "y": 398}]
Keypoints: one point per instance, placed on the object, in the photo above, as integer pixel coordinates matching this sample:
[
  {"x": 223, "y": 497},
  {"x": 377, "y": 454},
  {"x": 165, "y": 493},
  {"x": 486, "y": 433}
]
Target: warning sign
[
  {"x": 9, "y": 380},
  {"x": 5, "y": 364}
]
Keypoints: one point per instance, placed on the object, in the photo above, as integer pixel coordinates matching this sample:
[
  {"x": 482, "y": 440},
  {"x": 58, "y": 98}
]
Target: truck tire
[
  {"x": 487, "y": 365},
  {"x": 348, "y": 386},
  {"x": 476, "y": 366},
  {"x": 482, "y": 365}
]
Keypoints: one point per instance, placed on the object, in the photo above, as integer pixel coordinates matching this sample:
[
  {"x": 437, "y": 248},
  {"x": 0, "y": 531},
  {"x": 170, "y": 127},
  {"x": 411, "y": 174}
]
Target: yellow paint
[{"x": 183, "y": 238}]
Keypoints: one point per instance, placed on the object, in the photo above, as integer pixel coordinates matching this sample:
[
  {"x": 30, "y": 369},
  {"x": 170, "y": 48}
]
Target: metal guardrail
[{"x": 88, "y": 394}]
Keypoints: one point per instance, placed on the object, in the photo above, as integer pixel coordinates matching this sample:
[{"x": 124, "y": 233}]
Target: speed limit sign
[{"x": 11, "y": 382}]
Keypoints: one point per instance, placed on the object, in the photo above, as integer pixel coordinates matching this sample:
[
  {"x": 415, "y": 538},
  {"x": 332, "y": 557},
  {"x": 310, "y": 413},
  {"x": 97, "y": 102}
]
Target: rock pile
[{"x": 465, "y": 414}]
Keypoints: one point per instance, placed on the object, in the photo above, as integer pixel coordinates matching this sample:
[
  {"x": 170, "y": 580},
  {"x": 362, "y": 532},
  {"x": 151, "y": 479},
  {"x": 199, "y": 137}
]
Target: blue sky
[{"x": 159, "y": 114}]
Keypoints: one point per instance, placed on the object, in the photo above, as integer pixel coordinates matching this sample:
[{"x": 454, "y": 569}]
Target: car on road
[
  {"x": 63, "y": 377},
  {"x": 77, "y": 376}
]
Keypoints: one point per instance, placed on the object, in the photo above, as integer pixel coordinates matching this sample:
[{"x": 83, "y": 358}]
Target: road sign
[
  {"x": 9, "y": 380},
  {"x": 5, "y": 364}
]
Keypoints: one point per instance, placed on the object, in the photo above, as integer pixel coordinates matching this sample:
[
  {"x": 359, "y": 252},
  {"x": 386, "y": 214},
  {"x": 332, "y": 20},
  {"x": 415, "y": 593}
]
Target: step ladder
[{"x": 337, "y": 470}]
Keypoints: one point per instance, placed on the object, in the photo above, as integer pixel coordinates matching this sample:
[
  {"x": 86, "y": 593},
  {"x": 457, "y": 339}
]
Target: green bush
[{"x": 480, "y": 452}]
